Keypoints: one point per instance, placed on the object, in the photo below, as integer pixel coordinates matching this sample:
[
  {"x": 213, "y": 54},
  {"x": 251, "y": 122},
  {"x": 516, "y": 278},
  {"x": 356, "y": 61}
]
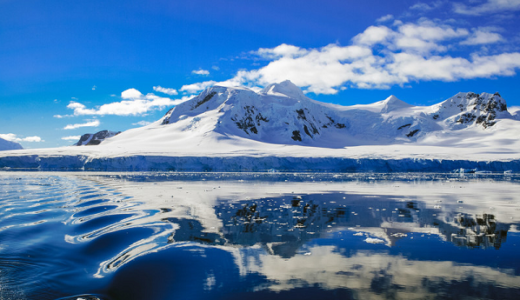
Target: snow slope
[
  {"x": 237, "y": 129},
  {"x": 8, "y": 145}
]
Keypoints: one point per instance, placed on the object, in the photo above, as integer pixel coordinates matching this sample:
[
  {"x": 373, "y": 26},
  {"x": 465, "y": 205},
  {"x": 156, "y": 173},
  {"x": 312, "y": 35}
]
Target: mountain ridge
[{"x": 281, "y": 113}]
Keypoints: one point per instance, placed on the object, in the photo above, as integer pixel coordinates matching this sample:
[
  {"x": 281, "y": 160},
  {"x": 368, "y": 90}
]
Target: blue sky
[{"x": 93, "y": 65}]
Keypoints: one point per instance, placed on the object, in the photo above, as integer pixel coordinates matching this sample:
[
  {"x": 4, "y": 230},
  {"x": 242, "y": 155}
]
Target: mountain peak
[
  {"x": 285, "y": 88},
  {"x": 393, "y": 103}
]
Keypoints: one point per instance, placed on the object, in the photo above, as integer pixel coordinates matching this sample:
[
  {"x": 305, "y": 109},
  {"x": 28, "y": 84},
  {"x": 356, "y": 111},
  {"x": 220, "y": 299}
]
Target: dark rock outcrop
[{"x": 90, "y": 139}]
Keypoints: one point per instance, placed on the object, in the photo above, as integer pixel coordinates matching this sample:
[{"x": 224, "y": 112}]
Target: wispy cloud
[
  {"x": 142, "y": 123},
  {"x": 421, "y": 6},
  {"x": 168, "y": 91},
  {"x": 197, "y": 87},
  {"x": 134, "y": 103},
  {"x": 385, "y": 18},
  {"x": 14, "y": 138},
  {"x": 489, "y": 6},
  {"x": 71, "y": 138},
  {"x": 90, "y": 123},
  {"x": 200, "y": 72},
  {"x": 378, "y": 58}
]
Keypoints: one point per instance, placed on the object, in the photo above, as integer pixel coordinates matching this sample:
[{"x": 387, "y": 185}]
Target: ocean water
[{"x": 258, "y": 236}]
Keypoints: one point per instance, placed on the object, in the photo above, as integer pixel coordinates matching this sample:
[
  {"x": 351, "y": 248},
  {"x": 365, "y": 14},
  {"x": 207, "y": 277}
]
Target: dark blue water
[{"x": 145, "y": 236}]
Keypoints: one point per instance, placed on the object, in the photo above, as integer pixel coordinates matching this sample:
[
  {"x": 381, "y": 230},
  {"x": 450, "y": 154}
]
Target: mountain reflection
[
  {"x": 366, "y": 240},
  {"x": 291, "y": 223},
  {"x": 281, "y": 225},
  {"x": 479, "y": 231}
]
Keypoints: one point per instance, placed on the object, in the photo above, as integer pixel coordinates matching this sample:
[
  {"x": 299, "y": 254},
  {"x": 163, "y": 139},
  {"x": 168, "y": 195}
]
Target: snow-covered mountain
[
  {"x": 90, "y": 139},
  {"x": 282, "y": 114},
  {"x": 236, "y": 128},
  {"x": 8, "y": 145}
]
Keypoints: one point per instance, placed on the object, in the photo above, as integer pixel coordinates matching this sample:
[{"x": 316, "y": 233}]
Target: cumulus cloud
[
  {"x": 425, "y": 37},
  {"x": 133, "y": 103},
  {"x": 200, "y": 72},
  {"x": 283, "y": 50},
  {"x": 168, "y": 91},
  {"x": 489, "y": 6},
  {"x": 373, "y": 35},
  {"x": 89, "y": 123},
  {"x": 385, "y": 18},
  {"x": 482, "y": 36},
  {"x": 14, "y": 138},
  {"x": 71, "y": 138},
  {"x": 131, "y": 94},
  {"x": 378, "y": 58}
]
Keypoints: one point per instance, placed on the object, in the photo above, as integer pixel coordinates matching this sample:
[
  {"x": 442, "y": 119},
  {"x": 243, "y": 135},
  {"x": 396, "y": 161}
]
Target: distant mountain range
[
  {"x": 280, "y": 122},
  {"x": 8, "y": 145}
]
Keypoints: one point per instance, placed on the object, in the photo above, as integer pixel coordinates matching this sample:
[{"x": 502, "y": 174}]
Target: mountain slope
[{"x": 8, "y": 145}]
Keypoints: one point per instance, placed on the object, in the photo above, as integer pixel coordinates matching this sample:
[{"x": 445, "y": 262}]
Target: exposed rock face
[
  {"x": 480, "y": 231},
  {"x": 249, "y": 120},
  {"x": 482, "y": 109},
  {"x": 89, "y": 139}
]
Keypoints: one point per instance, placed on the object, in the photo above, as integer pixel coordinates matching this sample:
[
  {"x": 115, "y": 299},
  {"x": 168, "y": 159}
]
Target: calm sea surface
[{"x": 258, "y": 236}]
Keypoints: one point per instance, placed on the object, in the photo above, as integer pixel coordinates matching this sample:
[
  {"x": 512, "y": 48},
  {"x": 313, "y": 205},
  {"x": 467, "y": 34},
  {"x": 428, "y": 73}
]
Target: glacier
[{"x": 249, "y": 164}]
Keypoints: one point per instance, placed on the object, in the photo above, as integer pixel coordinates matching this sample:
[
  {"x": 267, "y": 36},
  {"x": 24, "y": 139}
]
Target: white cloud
[
  {"x": 134, "y": 103},
  {"x": 425, "y": 36},
  {"x": 200, "y": 72},
  {"x": 373, "y": 35},
  {"x": 216, "y": 68},
  {"x": 385, "y": 18},
  {"x": 168, "y": 91},
  {"x": 283, "y": 50},
  {"x": 482, "y": 36},
  {"x": 425, "y": 7},
  {"x": 71, "y": 138},
  {"x": 490, "y": 6},
  {"x": 379, "y": 57},
  {"x": 13, "y": 138},
  {"x": 142, "y": 123},
  {"x": 91, "y": 123},
  {"x": 131, "y": 94},
  {"x": 94, "y": 88},
  {"x": 197, "y": 87}
]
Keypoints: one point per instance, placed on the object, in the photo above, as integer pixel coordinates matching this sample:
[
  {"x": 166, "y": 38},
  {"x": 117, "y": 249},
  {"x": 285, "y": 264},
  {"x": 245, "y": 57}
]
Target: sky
[{"x": 74, "y": 67}]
